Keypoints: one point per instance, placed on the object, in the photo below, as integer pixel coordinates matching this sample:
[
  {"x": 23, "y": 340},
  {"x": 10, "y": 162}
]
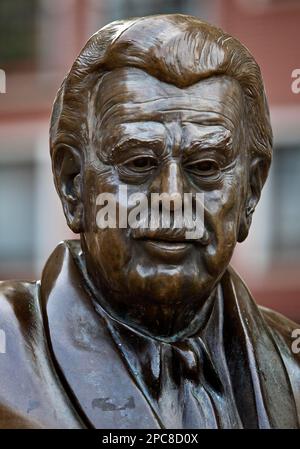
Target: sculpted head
[{"x": 161, "y": 104}]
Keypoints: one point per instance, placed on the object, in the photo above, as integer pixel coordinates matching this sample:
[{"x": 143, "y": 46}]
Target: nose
[{"x": 171, "y": 182}]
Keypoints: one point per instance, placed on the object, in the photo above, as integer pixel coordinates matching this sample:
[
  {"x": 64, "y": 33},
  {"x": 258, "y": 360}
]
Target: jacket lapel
[
  {"x": 259, "y": 377},
  {"x": 85, "y": 354}
]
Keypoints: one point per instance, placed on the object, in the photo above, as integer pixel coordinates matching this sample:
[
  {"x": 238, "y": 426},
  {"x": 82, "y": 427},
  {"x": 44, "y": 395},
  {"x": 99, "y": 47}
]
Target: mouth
[{"x": 168, "y": 250}]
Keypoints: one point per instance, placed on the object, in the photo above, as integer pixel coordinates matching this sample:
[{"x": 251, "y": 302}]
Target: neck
[{"x": 169, "y": 324}]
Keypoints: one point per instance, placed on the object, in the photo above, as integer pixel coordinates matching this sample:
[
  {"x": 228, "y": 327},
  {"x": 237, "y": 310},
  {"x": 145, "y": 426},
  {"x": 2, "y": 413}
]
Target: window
[
  {"x": 286, "y": 202},
  {"x": 101, "y": 13},
  {"x": 16, "y": 217},
  {"x": 17, "y": 32}
]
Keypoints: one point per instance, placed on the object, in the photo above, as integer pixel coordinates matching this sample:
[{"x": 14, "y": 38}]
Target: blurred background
[{"x": 39, "y": 39}]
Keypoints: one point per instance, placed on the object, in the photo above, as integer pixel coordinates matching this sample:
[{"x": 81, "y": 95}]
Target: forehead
[{"x": 131, "y": 95}]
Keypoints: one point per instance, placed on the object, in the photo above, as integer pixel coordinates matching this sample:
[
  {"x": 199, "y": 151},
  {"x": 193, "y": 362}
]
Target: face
[{"x": 157, "y": 138}]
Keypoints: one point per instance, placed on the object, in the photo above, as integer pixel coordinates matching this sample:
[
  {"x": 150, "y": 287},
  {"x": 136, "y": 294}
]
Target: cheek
[
  {"x": 97, "y": 181},
  {"x": 108, "y": 248},
  {"x": 111, "y": 252},
  {"x": 223, "y": 210}
]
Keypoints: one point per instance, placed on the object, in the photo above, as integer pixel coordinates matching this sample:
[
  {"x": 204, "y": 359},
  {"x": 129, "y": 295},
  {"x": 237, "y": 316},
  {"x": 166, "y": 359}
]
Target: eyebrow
[
  {"x": 133, "y": 142},
  {"x": 210, "y": 140}
]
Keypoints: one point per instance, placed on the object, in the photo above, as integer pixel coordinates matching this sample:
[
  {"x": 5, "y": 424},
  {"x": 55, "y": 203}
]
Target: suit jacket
[{"x": 63, "y": 369}]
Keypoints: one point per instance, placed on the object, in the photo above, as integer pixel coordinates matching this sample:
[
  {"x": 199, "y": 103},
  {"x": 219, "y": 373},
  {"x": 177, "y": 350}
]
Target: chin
[
  {"x": 136, "y": 277},
  {"x": 166, "y": 284}
]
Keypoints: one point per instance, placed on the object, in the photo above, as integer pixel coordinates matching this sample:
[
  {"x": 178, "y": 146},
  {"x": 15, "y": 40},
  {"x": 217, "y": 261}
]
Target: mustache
[{"x": 169, "y": 235}]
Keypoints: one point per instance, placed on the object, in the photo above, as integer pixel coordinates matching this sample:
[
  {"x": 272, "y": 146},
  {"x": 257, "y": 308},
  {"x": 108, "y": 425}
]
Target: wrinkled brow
[
  {"x": 125, "y": 143},
  {"x": 209, "y": 139}
]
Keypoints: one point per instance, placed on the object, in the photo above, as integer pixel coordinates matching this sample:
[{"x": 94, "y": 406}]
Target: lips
[
  {"x": 167, "y": 250},
  {"x": 175, "y": 235},
  {"x": 169, "y": 245}
]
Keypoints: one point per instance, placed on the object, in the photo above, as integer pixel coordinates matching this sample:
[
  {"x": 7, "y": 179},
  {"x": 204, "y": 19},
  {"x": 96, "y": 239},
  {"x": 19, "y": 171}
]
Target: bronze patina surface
[{"x": 144, "y": 328}]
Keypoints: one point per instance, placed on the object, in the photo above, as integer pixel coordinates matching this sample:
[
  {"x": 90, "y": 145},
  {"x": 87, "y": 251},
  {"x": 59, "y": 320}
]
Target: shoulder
[
  {"x": 19, "y": 311},
  {"x": 280, "y": 325},
  {"x": 16, "y": 296},
  {"x": 19, "y": 314},
  {"x": 283, "y": 330},
  {"x": 18, "y": 306},
  {"x": 286, "y": 334},
  {"x": 31, "y": 395}
]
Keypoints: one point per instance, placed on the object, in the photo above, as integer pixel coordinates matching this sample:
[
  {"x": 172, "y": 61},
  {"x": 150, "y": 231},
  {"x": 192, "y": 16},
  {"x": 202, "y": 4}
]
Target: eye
[
  {"x": 140, "y": 164},
  {"x": 204, "y": 168}
]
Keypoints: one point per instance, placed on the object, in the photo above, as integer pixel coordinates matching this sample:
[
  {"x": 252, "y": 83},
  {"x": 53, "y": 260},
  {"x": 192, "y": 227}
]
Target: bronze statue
[{"x": 141, "y": 327}]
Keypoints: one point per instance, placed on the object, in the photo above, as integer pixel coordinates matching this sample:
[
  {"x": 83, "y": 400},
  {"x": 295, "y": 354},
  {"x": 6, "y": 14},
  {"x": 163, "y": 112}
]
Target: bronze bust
[{"x": 141, "y": 327}]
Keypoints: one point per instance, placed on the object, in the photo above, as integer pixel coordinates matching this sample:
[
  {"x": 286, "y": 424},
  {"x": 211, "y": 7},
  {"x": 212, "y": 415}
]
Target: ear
[
  {"x": 67, "y": 170},
  {"x": 257, "y": 175}
]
